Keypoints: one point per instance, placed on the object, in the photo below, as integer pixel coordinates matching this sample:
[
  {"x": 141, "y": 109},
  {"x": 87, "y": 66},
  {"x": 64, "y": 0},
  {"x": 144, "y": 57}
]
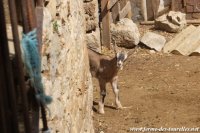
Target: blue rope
[{"x": 32, "y": 63}]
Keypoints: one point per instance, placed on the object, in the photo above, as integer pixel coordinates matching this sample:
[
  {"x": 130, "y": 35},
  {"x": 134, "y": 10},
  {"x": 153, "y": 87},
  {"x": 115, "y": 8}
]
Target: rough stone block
[
  {"x": 153, "y": 41},
  {"x": 171, "y": 22},
  {"x": 125, "y": 33}
]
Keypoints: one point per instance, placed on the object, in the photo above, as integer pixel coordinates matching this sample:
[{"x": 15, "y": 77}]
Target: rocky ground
[{"x": 162, "y": 90}]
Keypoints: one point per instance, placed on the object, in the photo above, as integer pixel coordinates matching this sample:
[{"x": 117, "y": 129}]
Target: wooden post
[
  {"x": 105, "y": 15},
  {"x": 144, "y": 9},
  {"x": 173, "y": 5}
]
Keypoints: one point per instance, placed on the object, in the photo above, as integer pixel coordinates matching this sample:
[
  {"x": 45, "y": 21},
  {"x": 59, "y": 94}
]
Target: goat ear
[
  {"x": 117, "y": 54},
  {"x": 115, "y": 47},
  {"x": 126, "y": 54}
]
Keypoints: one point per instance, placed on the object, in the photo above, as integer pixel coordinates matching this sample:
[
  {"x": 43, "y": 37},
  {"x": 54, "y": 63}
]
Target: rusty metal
[
  {"x": 30, "y": 22},
  {"x": 22, "y": 85},
  {"x": 39, "y": 2},
  {"x": 10, "y": 87},
  {"x": 39, "y": 17},
  {"x": 31, "y": 15},
  {"x": 44, "y": 119},
  {"x": 3, "y": 119},
  {"x": 8, "y": 90},
  {"x": 28, "y": 15},
  {"x": 3, "y": 116}
]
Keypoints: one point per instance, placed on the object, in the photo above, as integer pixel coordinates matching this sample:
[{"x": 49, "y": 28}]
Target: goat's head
[{"x": 121, "y": 57}]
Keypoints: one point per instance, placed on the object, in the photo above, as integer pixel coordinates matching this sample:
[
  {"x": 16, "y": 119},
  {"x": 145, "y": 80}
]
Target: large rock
[
  {"x": 125, "y": 33},
  {"x": 91, "y": 9},
  {"x": 91, "y": 25},
  {"x": 93, "y": 40},
  {"x": 171, "y": 22},
  {"x": 91, "y": 16},
  {"x": 153, "y": 41}
]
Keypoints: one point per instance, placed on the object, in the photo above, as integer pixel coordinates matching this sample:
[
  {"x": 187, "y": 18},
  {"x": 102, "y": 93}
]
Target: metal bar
[
  {"x": 31, "y": 14},
  {"x": 24, "y": 16},
  {"x": 14, "y": 23},
  {"x": 30, "y": 19},
  {"x": 2, "y": 70},
  {"x": 9, "y": 92},
  {"x": 39, "y": 2},
  {"x": 3, "y": 119},
  {"x": 28, "y": 15},
  {"x": 44, "y": 119},
  {"x": 39, "y": 15}
]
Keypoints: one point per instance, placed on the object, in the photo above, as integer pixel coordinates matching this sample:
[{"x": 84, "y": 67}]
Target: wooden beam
[
  {"x": 105, "y": 15},
  {"x": 111, "y": 3},
  {"x": 194, "y": 22},
  {"x": 125, "y": 10},
  {"x": 115, "y": 12},
  {"x": 147, "y": 23},
  {"x": 130, "y": 11}
]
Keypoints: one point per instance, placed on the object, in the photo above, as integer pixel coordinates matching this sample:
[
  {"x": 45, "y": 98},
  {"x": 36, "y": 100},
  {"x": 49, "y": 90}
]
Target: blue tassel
[{"x": 32, "y": 63}]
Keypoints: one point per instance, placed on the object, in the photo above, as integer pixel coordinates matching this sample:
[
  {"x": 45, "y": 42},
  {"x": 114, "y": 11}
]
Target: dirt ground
[{"x": 162, "y": 90}]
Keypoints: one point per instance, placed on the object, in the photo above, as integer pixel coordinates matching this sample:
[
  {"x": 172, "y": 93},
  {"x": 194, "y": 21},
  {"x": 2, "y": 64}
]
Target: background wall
[{"x": 137, "y": 10}]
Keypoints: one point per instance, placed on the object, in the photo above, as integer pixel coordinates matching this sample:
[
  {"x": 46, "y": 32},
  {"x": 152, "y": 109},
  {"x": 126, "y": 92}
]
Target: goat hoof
[
  {"x": 101, "y": 112},
  {"x": 120, "y": 107},
  {"x": 101, "y": 108}
]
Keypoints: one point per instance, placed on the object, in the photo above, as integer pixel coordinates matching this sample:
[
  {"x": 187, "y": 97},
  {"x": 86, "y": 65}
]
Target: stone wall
[
  {"x": 65, "y": 67},
  {"x": 92, "y": 24}
]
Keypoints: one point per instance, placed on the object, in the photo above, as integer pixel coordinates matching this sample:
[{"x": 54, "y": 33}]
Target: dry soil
[{"x": 162, "y": 90}]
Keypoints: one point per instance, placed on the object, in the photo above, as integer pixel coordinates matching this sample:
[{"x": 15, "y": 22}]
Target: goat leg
[
  {"x": 116, "y": 92},
  {"x": 102, "y": 96}
]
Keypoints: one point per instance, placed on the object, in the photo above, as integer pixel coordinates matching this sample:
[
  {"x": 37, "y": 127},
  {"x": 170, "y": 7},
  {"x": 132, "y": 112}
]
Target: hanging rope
[{"x": 32, "y": 63}]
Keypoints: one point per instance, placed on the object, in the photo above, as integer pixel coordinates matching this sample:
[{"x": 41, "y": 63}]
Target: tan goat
[{"x": 105, "y": 69}]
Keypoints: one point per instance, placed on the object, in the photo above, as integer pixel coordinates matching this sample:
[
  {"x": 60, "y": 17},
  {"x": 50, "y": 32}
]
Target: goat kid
[{"x": 105, "y": 69}]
